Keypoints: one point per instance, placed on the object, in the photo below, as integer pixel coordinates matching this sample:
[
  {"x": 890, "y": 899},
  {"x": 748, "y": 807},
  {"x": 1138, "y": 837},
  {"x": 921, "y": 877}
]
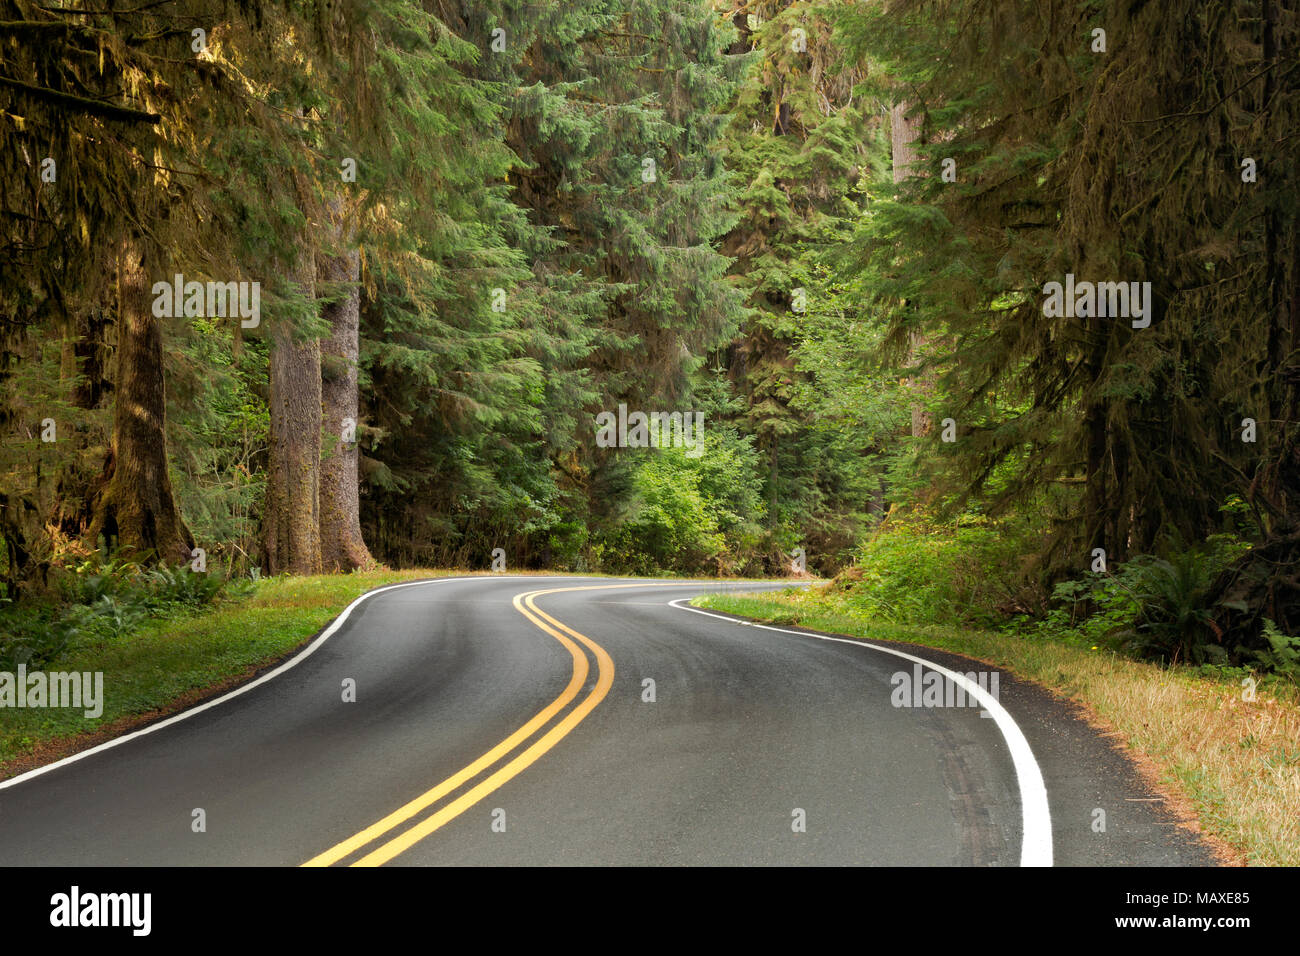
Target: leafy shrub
[
  {"x": 671, "y": 524},
  {"x": 117, "y": 615},
  {"x": 31, "y": 637},
  {"x": 92, "y": 580},
  {"x": 162, "y": 586},
  {"x": 566, "y": 545},
  {"x": 684, "y": 514},
  {"x": 1149, "y": 606},
  {"x": 1173, "y": 614},
  {"x": 1090, "y": 609},
  {"x": 103, "y": 601},
  {"x": 917, "y": 571}
]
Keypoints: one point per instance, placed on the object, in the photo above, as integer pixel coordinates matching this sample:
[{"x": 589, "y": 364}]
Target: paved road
[{"x": 491, "y": 728}]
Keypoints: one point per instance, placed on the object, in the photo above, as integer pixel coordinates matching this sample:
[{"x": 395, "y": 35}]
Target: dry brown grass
[{"x": 1237, "y": 761}]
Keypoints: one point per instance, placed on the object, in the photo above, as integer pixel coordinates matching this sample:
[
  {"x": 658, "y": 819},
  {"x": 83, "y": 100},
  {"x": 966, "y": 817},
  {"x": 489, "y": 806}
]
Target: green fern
[
  {"x": 1282, "y": 656},
  {"x": 1174, "y": 616}
]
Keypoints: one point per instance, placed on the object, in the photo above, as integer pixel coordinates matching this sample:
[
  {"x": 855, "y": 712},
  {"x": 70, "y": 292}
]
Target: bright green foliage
[
  {"x": 669, "y": 523},
  {"x": 801, "y": 145},
  {"x": 689, "y": 513},
  {"x": 918, "y": 570}
]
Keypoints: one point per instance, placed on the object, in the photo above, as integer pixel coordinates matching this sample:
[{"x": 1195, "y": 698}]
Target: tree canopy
[{"x": 827, "y": 231}]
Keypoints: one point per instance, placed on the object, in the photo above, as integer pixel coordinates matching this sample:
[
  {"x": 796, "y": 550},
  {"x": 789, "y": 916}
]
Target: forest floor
[{"x": 1234, "y": 763}]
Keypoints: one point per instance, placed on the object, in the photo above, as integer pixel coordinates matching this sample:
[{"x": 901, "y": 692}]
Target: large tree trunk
[
  {"x": 134, "y": 508},
  {"x": 904, "y": 131},
  {"x": 342, "y": 546},
  {"x": 291, "y": 520},
  {"x": 1264, "y": 583}
]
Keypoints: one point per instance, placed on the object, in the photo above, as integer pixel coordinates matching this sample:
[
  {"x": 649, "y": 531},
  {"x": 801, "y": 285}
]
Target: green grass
[{"x": 1236, "y": 763}]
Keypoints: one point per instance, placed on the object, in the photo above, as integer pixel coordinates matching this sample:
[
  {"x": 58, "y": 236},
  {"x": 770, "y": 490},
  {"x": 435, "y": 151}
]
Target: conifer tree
[
  {"x": 800, "y": 144},
  {"x": 1110, "y": 158}
]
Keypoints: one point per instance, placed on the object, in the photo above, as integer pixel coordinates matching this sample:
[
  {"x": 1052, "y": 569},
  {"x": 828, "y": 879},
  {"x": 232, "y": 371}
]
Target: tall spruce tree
[{"x": 800, "y": 142}]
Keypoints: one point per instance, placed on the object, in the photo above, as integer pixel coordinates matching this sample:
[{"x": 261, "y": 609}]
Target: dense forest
[{"x": 990, "y": 309}]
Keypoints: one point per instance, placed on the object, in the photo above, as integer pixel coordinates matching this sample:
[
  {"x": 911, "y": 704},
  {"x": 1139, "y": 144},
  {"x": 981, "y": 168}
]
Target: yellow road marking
[
  {"x": 580, "y": 667},
  {"x": 605, "y": 664}
]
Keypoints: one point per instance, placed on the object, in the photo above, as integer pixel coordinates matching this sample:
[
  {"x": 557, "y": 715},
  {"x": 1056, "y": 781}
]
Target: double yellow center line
[{"x": 394, "y": 845}]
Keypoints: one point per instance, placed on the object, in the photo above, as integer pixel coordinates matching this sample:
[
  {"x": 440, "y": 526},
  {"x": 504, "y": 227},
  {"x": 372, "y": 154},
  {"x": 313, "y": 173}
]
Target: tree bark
[
  {"x": 291, "y": 519},
  {"x": 341, "y": 543},
  {"x": 135, "y": 508},
  {"x": 904, "y": 131},
  {"x": 903, "y": 134}
]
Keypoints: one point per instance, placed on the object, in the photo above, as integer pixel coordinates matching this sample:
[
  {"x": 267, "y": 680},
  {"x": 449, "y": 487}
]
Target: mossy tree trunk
[
  {"x": 292, "y": 513},
  {"x": 342, "y": 546},
  {"x": 135, "y": 509},
  {"x": 904, "y": 132}
]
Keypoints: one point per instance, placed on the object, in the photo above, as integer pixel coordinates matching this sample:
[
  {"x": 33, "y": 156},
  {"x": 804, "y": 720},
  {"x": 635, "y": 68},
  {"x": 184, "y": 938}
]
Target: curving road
[{"x": 507, "y": 720}]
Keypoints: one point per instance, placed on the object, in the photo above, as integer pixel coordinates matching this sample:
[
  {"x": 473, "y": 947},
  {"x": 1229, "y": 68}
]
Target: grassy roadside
[
  {"x": 1236, "y": 763},
  {"x": 166, "y": 664}
]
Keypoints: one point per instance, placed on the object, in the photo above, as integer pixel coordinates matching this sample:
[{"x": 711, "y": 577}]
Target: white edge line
[
  {"x": 1036, "y": 840},
  {"x": 242, "y": 688}
]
